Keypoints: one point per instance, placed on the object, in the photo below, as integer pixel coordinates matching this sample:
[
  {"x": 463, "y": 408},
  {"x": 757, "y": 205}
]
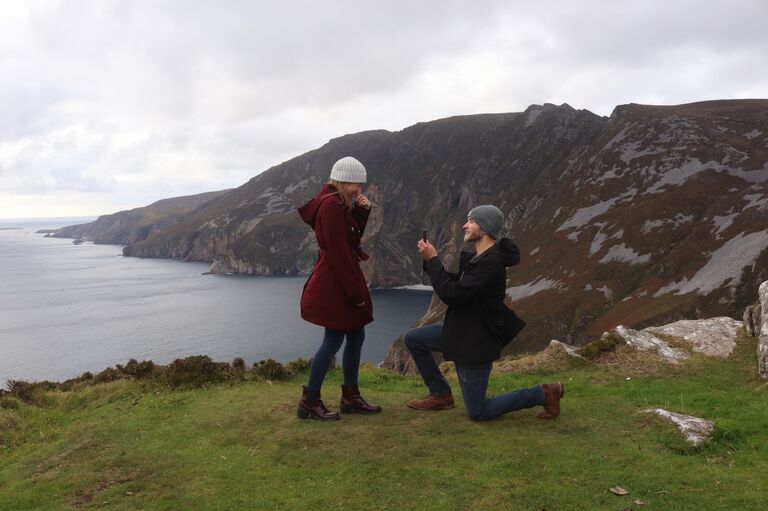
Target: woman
[{"x": 336, "y": 296}]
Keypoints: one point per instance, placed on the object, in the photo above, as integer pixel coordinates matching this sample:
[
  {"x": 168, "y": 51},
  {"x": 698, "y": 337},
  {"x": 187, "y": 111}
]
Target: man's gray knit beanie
[{"x": 489, "y": 218}]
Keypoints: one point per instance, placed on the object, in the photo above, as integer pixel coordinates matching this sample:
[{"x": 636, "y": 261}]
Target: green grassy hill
[{"x": 138, "y": 444}]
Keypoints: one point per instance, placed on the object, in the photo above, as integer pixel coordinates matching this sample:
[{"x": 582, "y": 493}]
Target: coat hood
[
  {"x": 509, "y": 252},
  {"x": 505, "y": 247},
  {"x": 308, "y": 211}
]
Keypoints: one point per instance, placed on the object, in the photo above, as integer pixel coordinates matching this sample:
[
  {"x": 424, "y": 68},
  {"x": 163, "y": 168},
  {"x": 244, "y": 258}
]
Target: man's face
[{"x": 472, "y": 231}]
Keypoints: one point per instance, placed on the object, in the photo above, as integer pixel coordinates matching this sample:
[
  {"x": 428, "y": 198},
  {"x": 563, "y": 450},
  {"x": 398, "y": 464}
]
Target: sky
[{"x": 110, "y": 105}]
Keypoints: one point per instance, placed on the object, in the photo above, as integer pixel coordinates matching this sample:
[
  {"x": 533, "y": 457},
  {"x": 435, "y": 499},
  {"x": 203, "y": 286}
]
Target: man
[{"x": 473, "y": 332}]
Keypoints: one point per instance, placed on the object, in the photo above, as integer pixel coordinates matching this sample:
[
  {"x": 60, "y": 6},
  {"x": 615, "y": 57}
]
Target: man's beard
[{"x": 469, "y": 238}]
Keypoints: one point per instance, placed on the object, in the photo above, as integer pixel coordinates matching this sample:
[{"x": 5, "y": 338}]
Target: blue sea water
[{"x": 66, "y": 309}]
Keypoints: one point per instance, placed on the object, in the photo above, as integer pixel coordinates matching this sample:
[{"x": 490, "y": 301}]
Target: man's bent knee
[
  {"x": 409, "y": 338},
  {"x": 477, "y": 414}
]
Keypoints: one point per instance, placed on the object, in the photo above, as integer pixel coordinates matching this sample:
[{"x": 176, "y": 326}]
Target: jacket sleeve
[
  {"x": 456, "y": 292},
  {"x": 464, "y": 258},
  {"x": 333, "y": 226},
  {"x": 361, "y": 217}
]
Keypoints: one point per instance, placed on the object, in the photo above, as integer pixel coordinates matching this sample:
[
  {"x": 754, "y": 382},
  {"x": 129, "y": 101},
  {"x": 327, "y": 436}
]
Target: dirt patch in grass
[
  {"x": 631, "y": 362},
  {"x": 109, "y": 477},
  {"x": 551, "y": 359}
]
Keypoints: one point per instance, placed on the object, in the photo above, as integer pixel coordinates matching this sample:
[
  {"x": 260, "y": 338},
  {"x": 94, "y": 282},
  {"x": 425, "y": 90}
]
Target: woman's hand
[
  {"x": 362, "y": 201},
  {"x": 426, "y": 250}
]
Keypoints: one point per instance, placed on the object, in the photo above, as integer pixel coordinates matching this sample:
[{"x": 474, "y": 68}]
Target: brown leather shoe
[
  {"x": 312, "y": 407},
  {"x": 553, "y": 393},
  {"x": 433, "y": 402},
  {"x": 352, "y": 401}
]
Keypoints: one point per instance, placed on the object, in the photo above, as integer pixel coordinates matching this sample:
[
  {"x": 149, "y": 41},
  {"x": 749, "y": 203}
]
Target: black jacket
[{"x": 477, "y": 324}]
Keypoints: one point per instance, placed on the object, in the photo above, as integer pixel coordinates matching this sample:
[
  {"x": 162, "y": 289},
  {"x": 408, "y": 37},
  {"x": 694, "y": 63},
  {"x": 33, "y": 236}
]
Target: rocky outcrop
[
  {"x": 571, "y": 351},
  {"x": 646, "y": 341},
  {"x": 714, "y": 337},
  {"x": 752, "y": 320},
  {"x": 398, "y": 359},
  {"x": 696, "y": 430},
  {"x": 762, "y": 341}
]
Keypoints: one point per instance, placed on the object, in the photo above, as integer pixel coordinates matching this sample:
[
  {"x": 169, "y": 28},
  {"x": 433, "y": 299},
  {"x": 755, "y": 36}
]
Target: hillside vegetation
[{"x": 152, "y": 445}]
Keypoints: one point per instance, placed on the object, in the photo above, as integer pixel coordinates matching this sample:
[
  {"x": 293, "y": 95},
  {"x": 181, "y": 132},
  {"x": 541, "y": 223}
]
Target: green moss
[{"x": 604, "y": 344}]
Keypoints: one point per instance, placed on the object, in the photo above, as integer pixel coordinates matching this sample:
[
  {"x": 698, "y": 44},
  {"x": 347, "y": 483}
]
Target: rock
[
  {"x": 696, "y": 430},
  {"x": 399, "y": 359},
  {"x": 752, "y": 319},
  {"x": 715, "y": 337},
  {"x": 762, "y": 340},
  {"x": 568, "y": 349},
  {"x": 646, "y": 341}
]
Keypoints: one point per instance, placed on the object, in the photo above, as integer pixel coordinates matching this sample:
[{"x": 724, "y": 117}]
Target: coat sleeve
[
  {"x": 361, "y": 217},
  {"x": 333, "y": 226},
  {"x": 456, "y": 292}
]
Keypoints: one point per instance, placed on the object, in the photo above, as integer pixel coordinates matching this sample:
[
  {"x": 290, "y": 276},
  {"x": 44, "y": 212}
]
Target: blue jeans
[
  {"x": 473, "y": 378},
  {"x": 330, "y": 346}
]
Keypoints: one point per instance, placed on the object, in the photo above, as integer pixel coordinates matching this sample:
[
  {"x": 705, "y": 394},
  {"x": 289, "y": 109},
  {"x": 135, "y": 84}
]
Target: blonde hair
[{"x": 349, "y": 203}]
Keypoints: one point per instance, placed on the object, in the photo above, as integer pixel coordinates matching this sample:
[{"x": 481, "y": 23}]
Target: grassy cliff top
[{"x": 134, "y": 444}]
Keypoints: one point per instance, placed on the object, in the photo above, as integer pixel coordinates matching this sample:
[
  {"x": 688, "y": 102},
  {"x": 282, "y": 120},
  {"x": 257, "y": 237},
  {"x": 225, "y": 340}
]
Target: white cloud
[{"x": 119, "y": 101}]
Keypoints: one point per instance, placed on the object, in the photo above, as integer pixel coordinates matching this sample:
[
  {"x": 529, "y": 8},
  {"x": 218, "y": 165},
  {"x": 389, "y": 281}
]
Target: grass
[{"x": 129, "y": 445}]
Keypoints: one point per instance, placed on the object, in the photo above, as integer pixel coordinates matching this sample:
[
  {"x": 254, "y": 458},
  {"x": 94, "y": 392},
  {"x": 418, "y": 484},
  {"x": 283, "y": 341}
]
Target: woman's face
[{"x": 353, "y": 189}]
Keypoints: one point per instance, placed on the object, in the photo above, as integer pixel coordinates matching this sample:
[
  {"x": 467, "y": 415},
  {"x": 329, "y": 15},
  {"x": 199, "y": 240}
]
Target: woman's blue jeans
[
  {"x": 330, "y": 346},
  {"x": 473, "y": 378}
]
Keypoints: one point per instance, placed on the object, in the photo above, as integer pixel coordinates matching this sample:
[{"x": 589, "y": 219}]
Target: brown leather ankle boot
[
  {"x": 312, "y": 407},
  {"x": 553, "y": 393},
  {"x": 433, "y": 402},
  {"x": 352, "y": 401}
]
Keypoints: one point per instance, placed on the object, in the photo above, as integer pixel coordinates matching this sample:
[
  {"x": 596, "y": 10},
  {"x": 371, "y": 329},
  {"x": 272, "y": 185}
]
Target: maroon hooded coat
[{"x": 336, "y": 286}]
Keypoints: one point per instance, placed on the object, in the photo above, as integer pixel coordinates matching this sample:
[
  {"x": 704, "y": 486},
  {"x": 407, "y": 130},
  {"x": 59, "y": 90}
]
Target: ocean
[{"x": 66, "y": 309}]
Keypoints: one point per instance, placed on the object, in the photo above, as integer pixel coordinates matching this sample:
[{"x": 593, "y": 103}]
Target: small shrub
[
  {"x": 238, "y": 364},
  {"x": 139, "y": 370},
  {"x": 9, "y": 403},
  {"x": 145, "y": 369},
  {"x": 271, "y": 370},
  {"x": 40, "y": 397},
  {"x": 107, "y": 375},
  {"x": 605, "y": 344},
  {"x": 23, "y": 390},
  {"x": 31, "y": 393},
  {"x": 194, "y": 371},
  {"x": 299, "y": 366}
]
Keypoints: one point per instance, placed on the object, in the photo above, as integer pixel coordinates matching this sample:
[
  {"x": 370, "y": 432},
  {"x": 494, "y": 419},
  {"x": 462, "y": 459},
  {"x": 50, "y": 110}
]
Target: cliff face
[
  {"x": 426, "y": 176},
  {"x": 651, "y": 215},
  {"x": 127, "y": 227},
  {"x": 662, "y": 217}
]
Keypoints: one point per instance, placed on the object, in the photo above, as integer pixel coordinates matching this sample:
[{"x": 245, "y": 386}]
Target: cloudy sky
[{"x": 110, "y": 105}]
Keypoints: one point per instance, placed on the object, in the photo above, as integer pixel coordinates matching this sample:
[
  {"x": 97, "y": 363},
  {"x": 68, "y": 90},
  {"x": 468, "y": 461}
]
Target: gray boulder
[
  {"x": 714, "y": 337},
  {"x": 696, "y": 430},
  {"x": 752, "y": 320},
  {"x": 646, "y": 341},
  {"x": 762, "y": 340}
]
